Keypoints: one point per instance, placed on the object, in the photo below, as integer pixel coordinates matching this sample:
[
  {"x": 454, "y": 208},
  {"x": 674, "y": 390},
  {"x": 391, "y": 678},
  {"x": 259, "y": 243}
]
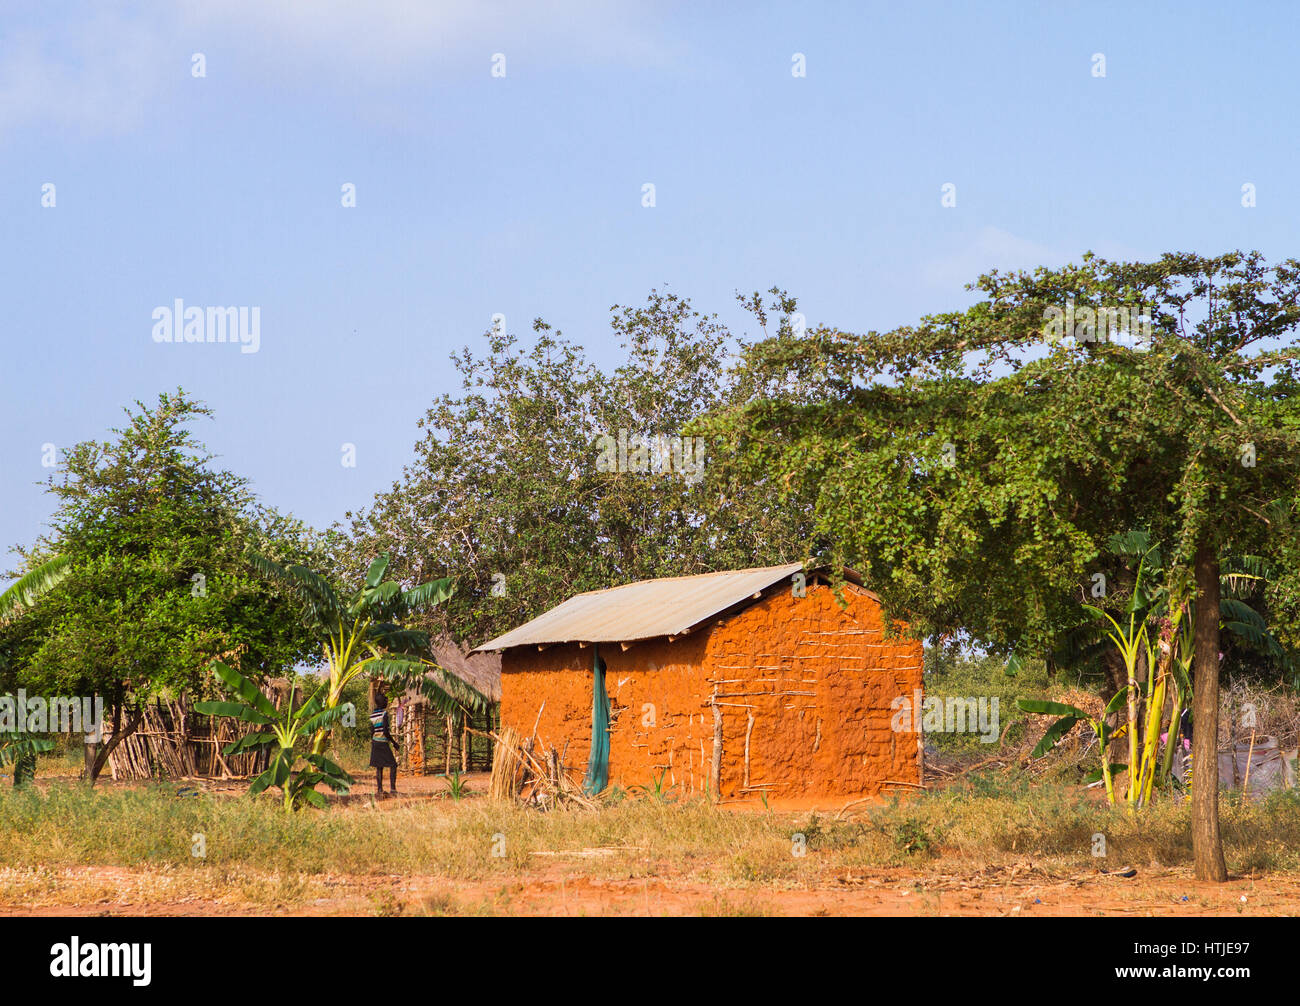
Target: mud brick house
[{"x": 734, "y": 684}]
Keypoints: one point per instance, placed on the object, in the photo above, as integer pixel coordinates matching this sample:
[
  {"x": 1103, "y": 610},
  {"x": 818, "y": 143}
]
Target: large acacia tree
[
  {"x": 507, "y": 488},
  {"x": 974, "y": 465}
]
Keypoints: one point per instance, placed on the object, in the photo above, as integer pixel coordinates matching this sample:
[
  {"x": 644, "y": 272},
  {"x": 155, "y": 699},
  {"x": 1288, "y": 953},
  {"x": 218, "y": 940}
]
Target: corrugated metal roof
[{"x": 643, "y": 610}]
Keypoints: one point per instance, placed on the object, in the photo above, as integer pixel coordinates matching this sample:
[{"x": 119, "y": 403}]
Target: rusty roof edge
[
  {"x": 851, "y": 576},
  {"x": 779, "y": 574}
]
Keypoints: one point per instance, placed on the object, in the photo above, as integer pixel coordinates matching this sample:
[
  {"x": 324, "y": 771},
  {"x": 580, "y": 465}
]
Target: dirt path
[
  {"x": 554, "y": 891},
  {"x": 560, "y": 883}
]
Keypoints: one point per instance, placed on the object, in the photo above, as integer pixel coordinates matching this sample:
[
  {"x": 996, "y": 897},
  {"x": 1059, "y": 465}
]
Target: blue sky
[{"x": 523, "y": 195}]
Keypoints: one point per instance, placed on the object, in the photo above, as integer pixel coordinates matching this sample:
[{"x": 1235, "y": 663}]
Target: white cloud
[
  {"x": 100, "y": 71},
  {"x": 993, "y": 248}
]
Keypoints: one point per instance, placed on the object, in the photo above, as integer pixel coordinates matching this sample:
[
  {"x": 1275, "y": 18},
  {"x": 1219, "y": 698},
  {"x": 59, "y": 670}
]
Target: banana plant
[
  {"x": 1070, "y": 715},
  {"x": 21, "y": 752},
  {"x": 1159, "y": 661},
  {"x": 362, "y": 635},
  {"x": 27, "y": 589},
  {"x": 24, "y": 592},
  {"x": 1167, "y": 661},
  {"x": 1133, "y": 643},
  {"x": 1159, "y": 657},
  {"x": 285, "y": 729},
  {"x": 1182, "y": 682}
]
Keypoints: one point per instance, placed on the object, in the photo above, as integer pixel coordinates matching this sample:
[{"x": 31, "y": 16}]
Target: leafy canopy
[
  {"x": 507, "y": 490},
  {"x": 974, "y": 468}
]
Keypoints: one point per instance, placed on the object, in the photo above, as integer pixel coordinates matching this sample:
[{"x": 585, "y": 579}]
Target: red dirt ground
[
  {"x": 558, "y": 887},
  {"x": 551, "y": 891}
]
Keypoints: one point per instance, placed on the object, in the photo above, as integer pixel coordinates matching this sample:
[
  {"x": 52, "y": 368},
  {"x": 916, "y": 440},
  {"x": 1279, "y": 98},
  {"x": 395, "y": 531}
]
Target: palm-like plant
[
  {"x": 27, "y": 590},
  {"x": 21, "y": 752},
  {"x": 24, "y": 592},
  {"x": 1133, "y": 644},
  {"x": 285, "y": 728},
  {"x": 1155, "y": 632},
  {"x": 362, "y": 635}
]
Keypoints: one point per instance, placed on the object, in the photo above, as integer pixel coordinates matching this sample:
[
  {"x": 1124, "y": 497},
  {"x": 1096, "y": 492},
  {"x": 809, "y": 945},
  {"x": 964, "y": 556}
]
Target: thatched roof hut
[
  {"x": 481, "y": 671},
  {"x": 463, "y": 738}
]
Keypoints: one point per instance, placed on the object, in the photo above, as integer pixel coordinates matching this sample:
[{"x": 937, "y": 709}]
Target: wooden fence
[
  {"x": 172, "y": 742},
  {"x": 432, "y": 743}
]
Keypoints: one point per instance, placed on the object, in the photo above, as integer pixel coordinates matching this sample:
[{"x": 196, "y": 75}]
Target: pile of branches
[{"x": 535, "y": 777}]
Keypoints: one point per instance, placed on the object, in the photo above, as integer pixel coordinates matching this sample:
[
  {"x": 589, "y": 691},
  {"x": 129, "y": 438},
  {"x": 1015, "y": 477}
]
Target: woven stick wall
[
  {"x": 172, "y": 742},
  {"x": 432, "y": 743}
]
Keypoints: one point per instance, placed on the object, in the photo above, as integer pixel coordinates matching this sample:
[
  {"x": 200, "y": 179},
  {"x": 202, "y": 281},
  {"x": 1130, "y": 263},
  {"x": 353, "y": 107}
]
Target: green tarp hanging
[{"x": 598, "y": 764}]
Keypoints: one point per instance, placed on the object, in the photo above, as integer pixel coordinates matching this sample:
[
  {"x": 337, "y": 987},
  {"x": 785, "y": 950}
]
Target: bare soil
[
  {"x": 558, "y": 885},
  {"x": 558, "y": 889}
]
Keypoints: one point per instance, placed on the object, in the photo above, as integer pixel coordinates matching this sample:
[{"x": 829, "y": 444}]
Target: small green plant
[
  {"x": 457, "y": 788},
  {"x": 813, "y": 832},
  {"x": 286, "y": 729},
  {"x": 912, "y": 837},
  {"x": 21, "y": 753},
  {"x": 657, "y": 791}
]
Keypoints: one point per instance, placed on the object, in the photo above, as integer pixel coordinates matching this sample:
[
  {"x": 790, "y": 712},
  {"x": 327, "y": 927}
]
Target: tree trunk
[
  {"x": 1207, "y": 846},
  {"x": 95, "y": 762},
  {"x": 92, "y": 749}
]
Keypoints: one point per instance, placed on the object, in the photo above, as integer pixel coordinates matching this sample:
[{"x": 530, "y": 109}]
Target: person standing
[{"x": 382, "y": 745}]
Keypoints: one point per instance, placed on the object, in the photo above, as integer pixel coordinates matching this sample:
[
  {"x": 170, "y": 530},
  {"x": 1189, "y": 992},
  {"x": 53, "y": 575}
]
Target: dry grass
[
  {"x": 1274, "y": 709},
  {"x": 137, "y": 843}
]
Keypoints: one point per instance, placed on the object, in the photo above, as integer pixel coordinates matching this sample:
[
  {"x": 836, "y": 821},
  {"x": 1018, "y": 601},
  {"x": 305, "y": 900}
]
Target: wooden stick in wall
[
  {"x": 749, "y": 729},
  {"x": 715, "y": 769}
]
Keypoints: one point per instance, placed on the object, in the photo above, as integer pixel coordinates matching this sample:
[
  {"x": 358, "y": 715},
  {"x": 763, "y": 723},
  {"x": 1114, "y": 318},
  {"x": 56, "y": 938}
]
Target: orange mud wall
[
  {"x": 805, "y": 689},
  {"x": 802, "y": 687},
  {"x": 659, "y": 713}
]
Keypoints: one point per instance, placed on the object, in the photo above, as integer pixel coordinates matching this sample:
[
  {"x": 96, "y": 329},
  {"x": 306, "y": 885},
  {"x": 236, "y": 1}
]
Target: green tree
[
  {"x": 156, "y": 584},
  {"x": 507, "y": 490},
  {"x": 975, "y": 464}
]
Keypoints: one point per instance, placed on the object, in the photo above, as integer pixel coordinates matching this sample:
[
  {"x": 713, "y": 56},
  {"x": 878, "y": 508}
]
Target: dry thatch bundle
[
  {"x": 519, "y": 773},
  {"x": 481, "y": 671},
  {"x": 507, "y": 766}
]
